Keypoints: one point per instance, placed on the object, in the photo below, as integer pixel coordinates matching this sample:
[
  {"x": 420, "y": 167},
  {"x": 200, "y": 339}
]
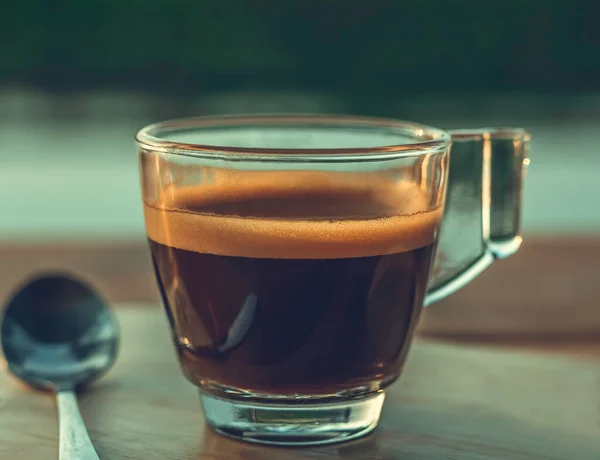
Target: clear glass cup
[{"x": 293, "y": 254}]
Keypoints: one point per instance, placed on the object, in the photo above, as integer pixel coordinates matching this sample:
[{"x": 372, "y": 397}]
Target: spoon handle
[{"x": 75, "y": 443}]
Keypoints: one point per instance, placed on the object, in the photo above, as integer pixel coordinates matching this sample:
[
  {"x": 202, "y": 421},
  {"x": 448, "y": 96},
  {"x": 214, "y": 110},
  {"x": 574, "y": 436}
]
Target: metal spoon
[{"x": 58, "y": 334}]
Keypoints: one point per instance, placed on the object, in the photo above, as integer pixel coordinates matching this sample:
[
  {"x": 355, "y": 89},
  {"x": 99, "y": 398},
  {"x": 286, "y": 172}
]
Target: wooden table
[
  {"x": 453, "y": 403},
  {"x": 548, "y": 291}
]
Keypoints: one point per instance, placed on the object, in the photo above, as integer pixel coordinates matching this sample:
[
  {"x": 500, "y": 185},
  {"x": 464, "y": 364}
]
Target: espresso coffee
[{"x": 308, "y": 287}]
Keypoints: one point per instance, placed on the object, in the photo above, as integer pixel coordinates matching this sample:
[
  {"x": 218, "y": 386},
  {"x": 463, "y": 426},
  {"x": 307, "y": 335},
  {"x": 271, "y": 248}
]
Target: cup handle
[{"x": 482, "y": 218}]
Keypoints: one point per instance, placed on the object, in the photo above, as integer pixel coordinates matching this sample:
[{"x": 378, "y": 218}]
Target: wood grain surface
[
  {"x": 452, "y": 403},
  {"x": 550, "y": 287}
]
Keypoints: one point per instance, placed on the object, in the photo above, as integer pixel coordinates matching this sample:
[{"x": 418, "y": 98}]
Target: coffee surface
[
  {"x": 293, "y": 216},
  {"x": 292, "y": 287}
]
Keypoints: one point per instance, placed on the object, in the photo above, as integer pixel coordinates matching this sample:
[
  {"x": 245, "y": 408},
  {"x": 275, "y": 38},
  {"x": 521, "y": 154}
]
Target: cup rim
[{"x": 427, "y": 139}]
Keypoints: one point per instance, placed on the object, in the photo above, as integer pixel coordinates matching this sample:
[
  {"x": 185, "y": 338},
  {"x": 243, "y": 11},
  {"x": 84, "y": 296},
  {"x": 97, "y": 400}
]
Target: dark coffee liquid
[{"x": 310, "y": 303}]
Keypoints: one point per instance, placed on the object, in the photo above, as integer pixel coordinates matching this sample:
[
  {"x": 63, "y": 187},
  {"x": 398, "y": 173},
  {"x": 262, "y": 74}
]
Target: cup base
[{"x": 293, "y": 425}]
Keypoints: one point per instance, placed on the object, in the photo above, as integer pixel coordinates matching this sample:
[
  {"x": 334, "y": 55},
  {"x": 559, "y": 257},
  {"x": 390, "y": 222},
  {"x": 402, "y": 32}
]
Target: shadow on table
[{"x": 415, "y": 431}]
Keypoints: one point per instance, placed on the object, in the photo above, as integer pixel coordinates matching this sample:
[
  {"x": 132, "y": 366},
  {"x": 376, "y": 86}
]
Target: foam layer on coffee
[{"x": 294, "y": 218}]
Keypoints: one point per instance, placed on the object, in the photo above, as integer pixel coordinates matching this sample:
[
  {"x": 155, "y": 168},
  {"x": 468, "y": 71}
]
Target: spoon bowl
[{"x": 58, "y": 334}]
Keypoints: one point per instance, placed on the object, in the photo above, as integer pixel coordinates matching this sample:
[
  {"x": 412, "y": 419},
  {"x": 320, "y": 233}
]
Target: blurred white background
[{"x": 68, "y": 166}]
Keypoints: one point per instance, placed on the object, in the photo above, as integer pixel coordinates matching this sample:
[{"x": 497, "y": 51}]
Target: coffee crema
[
  {"x": 289, "y": 219},
  {"x": 299, "y": 284}
]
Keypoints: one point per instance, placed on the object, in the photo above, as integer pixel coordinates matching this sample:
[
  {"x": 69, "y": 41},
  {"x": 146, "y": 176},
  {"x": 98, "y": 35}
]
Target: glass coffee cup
[{"x": 294, "y": 254}]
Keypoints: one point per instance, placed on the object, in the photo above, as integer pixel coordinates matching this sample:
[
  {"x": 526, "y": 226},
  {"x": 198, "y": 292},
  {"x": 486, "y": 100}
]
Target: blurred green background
[
  {"x": 78, "y": 78},
  {"x": 362, "y": 50}
]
